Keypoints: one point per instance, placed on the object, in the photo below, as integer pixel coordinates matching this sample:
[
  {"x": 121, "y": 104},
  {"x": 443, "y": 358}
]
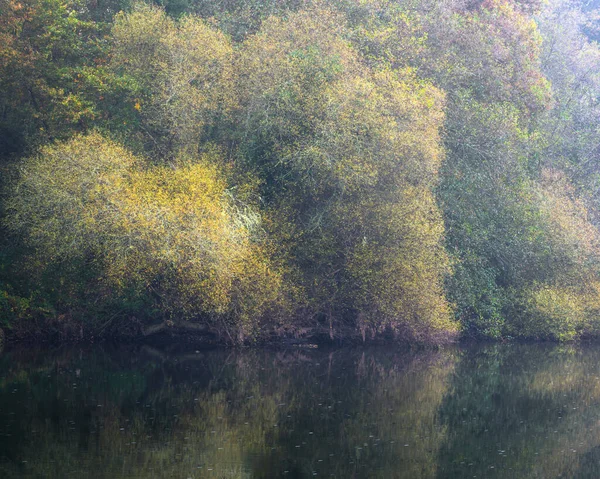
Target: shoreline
[{"x": 313, "y": 340}]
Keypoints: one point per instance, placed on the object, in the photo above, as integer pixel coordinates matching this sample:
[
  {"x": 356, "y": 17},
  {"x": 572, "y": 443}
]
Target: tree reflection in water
[{"x": 492, "y": 411}]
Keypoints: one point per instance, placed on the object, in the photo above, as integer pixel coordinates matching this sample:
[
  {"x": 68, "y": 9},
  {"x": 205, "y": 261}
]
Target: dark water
[{"x": 519, "y": 411}]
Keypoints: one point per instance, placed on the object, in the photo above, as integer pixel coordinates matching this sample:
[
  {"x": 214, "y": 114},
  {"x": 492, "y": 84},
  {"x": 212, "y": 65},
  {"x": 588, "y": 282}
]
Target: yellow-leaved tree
[
  {"x": 562, "y": 300},
  {"x": 174, "y": 235}
]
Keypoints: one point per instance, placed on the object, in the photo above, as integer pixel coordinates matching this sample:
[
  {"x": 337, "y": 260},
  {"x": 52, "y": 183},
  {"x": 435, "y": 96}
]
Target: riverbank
[
  {"x": 66, "y": 330},
  {"x": 195, "y": 335}
]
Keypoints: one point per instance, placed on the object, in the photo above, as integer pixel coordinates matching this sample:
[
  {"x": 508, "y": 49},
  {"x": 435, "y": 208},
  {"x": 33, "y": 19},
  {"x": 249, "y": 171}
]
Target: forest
[{"x": 251, "y": 171}]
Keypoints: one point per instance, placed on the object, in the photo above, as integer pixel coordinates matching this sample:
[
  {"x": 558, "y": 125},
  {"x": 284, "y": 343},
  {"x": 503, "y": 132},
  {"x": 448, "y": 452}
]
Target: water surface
[{"x": 516, "y": 411}]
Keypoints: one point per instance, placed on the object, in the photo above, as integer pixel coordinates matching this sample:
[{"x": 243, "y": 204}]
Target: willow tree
[
  {"x": 348, "y": 156},
  {"x": 172, "y": 236},
  {"x": 174, "y": 76}
]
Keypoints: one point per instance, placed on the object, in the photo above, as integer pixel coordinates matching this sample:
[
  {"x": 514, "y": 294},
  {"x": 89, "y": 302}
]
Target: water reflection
[
  {"x": 528, "y": 411},
  {"x": 494, "y": 411}
]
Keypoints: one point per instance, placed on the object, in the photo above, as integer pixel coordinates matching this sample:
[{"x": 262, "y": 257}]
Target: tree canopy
[{"x": 416, "y": 170}]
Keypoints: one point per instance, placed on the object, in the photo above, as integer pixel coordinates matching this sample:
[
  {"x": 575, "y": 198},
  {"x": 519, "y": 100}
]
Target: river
[{"x": 487, "y": 411}]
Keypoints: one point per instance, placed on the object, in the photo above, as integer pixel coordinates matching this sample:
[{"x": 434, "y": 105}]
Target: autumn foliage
[{"x": 317, "y": 169}]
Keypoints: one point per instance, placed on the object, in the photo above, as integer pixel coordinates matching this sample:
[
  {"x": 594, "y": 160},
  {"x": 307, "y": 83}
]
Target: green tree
[
  {"x": 348, "y": 156},
  {"x": 175, "y": 77}
]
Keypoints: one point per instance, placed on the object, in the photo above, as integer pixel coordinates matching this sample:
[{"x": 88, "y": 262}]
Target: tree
[
  {"x": 173, "y": 237},
  {"x": 348, "y": 158},
  {"x": 176, "y": 77},
  {"x": 51, "y": 55}
]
